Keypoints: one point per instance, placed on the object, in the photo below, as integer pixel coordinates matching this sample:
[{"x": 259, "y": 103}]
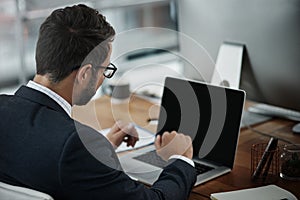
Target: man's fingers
[
  {"x": 167, "y": 137},
  {"x": 157, "y": 142},
  {"x": 128, "y": 133},
  {"x": 173, "y": 144},
  {"x": 131, "y": 134},
  {"x": 130, "y": 140},
  {"x": 133, "y": 141},
  {"x": 116, "y": 127},
  {"x": 123, "y": 132},
  {"x": 132, "y": 131}
]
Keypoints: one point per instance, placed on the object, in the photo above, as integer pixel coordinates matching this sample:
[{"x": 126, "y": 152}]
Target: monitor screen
[{"x": 270, "y": 33}]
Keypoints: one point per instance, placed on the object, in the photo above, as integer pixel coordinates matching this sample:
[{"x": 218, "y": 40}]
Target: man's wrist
[
  {"x": 183, "y": 158},
  {"x": 112, "y": 144}
]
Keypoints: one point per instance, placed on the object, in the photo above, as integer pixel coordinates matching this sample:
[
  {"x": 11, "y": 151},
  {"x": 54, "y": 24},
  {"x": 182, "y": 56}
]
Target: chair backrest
[{"x": 9, "y": 192}]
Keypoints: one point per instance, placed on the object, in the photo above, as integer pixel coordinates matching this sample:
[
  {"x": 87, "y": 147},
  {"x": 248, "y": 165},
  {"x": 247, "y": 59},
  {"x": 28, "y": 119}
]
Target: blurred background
[
  {"x": 181, "y": 38},
  {"x": 20, "y": 21}
]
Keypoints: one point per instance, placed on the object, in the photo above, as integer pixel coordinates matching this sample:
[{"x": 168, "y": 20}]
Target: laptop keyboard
[
  {"x": 200, "y": 168},
  {"x": 153, "y": 159}
]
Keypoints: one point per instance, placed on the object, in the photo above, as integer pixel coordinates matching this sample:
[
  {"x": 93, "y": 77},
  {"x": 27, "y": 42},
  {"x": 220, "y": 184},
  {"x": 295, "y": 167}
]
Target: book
[{"x": 269, "y": 192}]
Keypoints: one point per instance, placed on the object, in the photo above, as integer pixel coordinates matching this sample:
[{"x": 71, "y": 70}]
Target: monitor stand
[
  {"x": 227, "y": 73},
  {"x": 228, "y": 65}
]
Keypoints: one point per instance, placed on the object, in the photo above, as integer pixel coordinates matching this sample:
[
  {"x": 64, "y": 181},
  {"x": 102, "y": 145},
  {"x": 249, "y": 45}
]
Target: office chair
[{"x": 10, "y": 192}]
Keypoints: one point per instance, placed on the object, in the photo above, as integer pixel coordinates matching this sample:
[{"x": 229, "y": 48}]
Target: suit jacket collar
[{"x": 39, "y": 97}]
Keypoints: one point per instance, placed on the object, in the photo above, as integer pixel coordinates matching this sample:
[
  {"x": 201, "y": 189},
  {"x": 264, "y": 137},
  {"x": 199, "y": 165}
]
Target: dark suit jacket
[{"x": 42, "y": 148}]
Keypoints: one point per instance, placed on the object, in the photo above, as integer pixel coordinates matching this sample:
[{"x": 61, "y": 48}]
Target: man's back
[
  {"x": 32, "y": 137},
  {"x": 42, "y": 148}
]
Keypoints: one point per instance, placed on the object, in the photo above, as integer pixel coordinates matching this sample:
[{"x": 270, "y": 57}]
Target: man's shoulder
[{"x": 4, "y": 97}]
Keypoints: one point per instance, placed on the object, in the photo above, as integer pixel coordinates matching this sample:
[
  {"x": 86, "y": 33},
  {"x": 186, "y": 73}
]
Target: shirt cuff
[{"x": 183, "y": 158}]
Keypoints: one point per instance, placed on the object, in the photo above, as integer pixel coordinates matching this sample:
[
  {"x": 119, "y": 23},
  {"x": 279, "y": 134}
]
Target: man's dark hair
[{"x": 67, "y": 36}]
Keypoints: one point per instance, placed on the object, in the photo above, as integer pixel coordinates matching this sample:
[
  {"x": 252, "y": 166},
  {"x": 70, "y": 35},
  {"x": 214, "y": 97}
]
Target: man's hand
[
  {"x": 173, "y": 144},
  {"x": 122, "y": 132}
]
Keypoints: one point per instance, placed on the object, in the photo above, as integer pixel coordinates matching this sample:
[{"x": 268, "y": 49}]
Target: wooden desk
[{"x": 102, "y": 114}]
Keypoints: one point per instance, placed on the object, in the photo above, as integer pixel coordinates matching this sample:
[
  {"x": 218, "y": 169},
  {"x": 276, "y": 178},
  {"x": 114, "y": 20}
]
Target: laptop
[{"x": 210, "y": 114}]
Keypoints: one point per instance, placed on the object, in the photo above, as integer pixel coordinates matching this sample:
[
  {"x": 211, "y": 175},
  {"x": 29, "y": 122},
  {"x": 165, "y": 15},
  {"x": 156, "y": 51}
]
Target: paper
[
  {"x": 145, "y": 138},
  {"x": 269, "y": 192}
]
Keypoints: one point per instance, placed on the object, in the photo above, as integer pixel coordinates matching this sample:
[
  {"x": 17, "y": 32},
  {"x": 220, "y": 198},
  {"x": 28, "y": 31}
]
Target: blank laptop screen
[{"x": 211, "y": 115}]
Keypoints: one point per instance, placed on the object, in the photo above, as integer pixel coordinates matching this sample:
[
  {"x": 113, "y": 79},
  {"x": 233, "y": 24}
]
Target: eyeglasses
[{"x": 109, "y": 70}]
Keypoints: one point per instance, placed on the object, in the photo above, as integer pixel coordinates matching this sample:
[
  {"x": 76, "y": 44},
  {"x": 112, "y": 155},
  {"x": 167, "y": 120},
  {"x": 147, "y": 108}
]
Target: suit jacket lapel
[{"x": 39, "y": 97}]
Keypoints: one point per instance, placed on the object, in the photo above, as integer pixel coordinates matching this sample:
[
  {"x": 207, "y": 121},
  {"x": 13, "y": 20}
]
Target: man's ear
[{"x": 84, "y": 73}]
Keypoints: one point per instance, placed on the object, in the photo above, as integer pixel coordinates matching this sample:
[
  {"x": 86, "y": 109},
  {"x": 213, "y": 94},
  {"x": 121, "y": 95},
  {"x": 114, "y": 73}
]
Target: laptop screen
[{"x": 211, "y": 115}]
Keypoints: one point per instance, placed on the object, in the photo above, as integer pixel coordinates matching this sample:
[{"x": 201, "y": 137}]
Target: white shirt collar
[{"x": 61, "y": 101}]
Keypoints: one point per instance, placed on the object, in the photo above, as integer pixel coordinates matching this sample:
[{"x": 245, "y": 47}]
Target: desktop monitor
[{"x": 269, "y": 31}]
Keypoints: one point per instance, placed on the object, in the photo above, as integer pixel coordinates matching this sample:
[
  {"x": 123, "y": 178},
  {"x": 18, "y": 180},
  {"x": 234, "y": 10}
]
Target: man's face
[
  {"x": 95, "y": 81},
  {"x": 87, "y": 93}
]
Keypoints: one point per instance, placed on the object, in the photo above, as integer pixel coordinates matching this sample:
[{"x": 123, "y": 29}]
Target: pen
[
  {"x": 271, "y": 145},
  {"x": 152, "y": 119},
  {"x": 272, "y": 149},
  {"x": 267, "y": 167}
]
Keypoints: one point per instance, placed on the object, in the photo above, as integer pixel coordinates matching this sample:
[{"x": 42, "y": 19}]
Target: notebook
[
  {"x": 210, "y": 114},
  {"x": 269, "y": 192}
]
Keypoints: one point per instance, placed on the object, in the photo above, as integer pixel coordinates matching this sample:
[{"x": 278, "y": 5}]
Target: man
[{"x": 43, "y": 148}]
